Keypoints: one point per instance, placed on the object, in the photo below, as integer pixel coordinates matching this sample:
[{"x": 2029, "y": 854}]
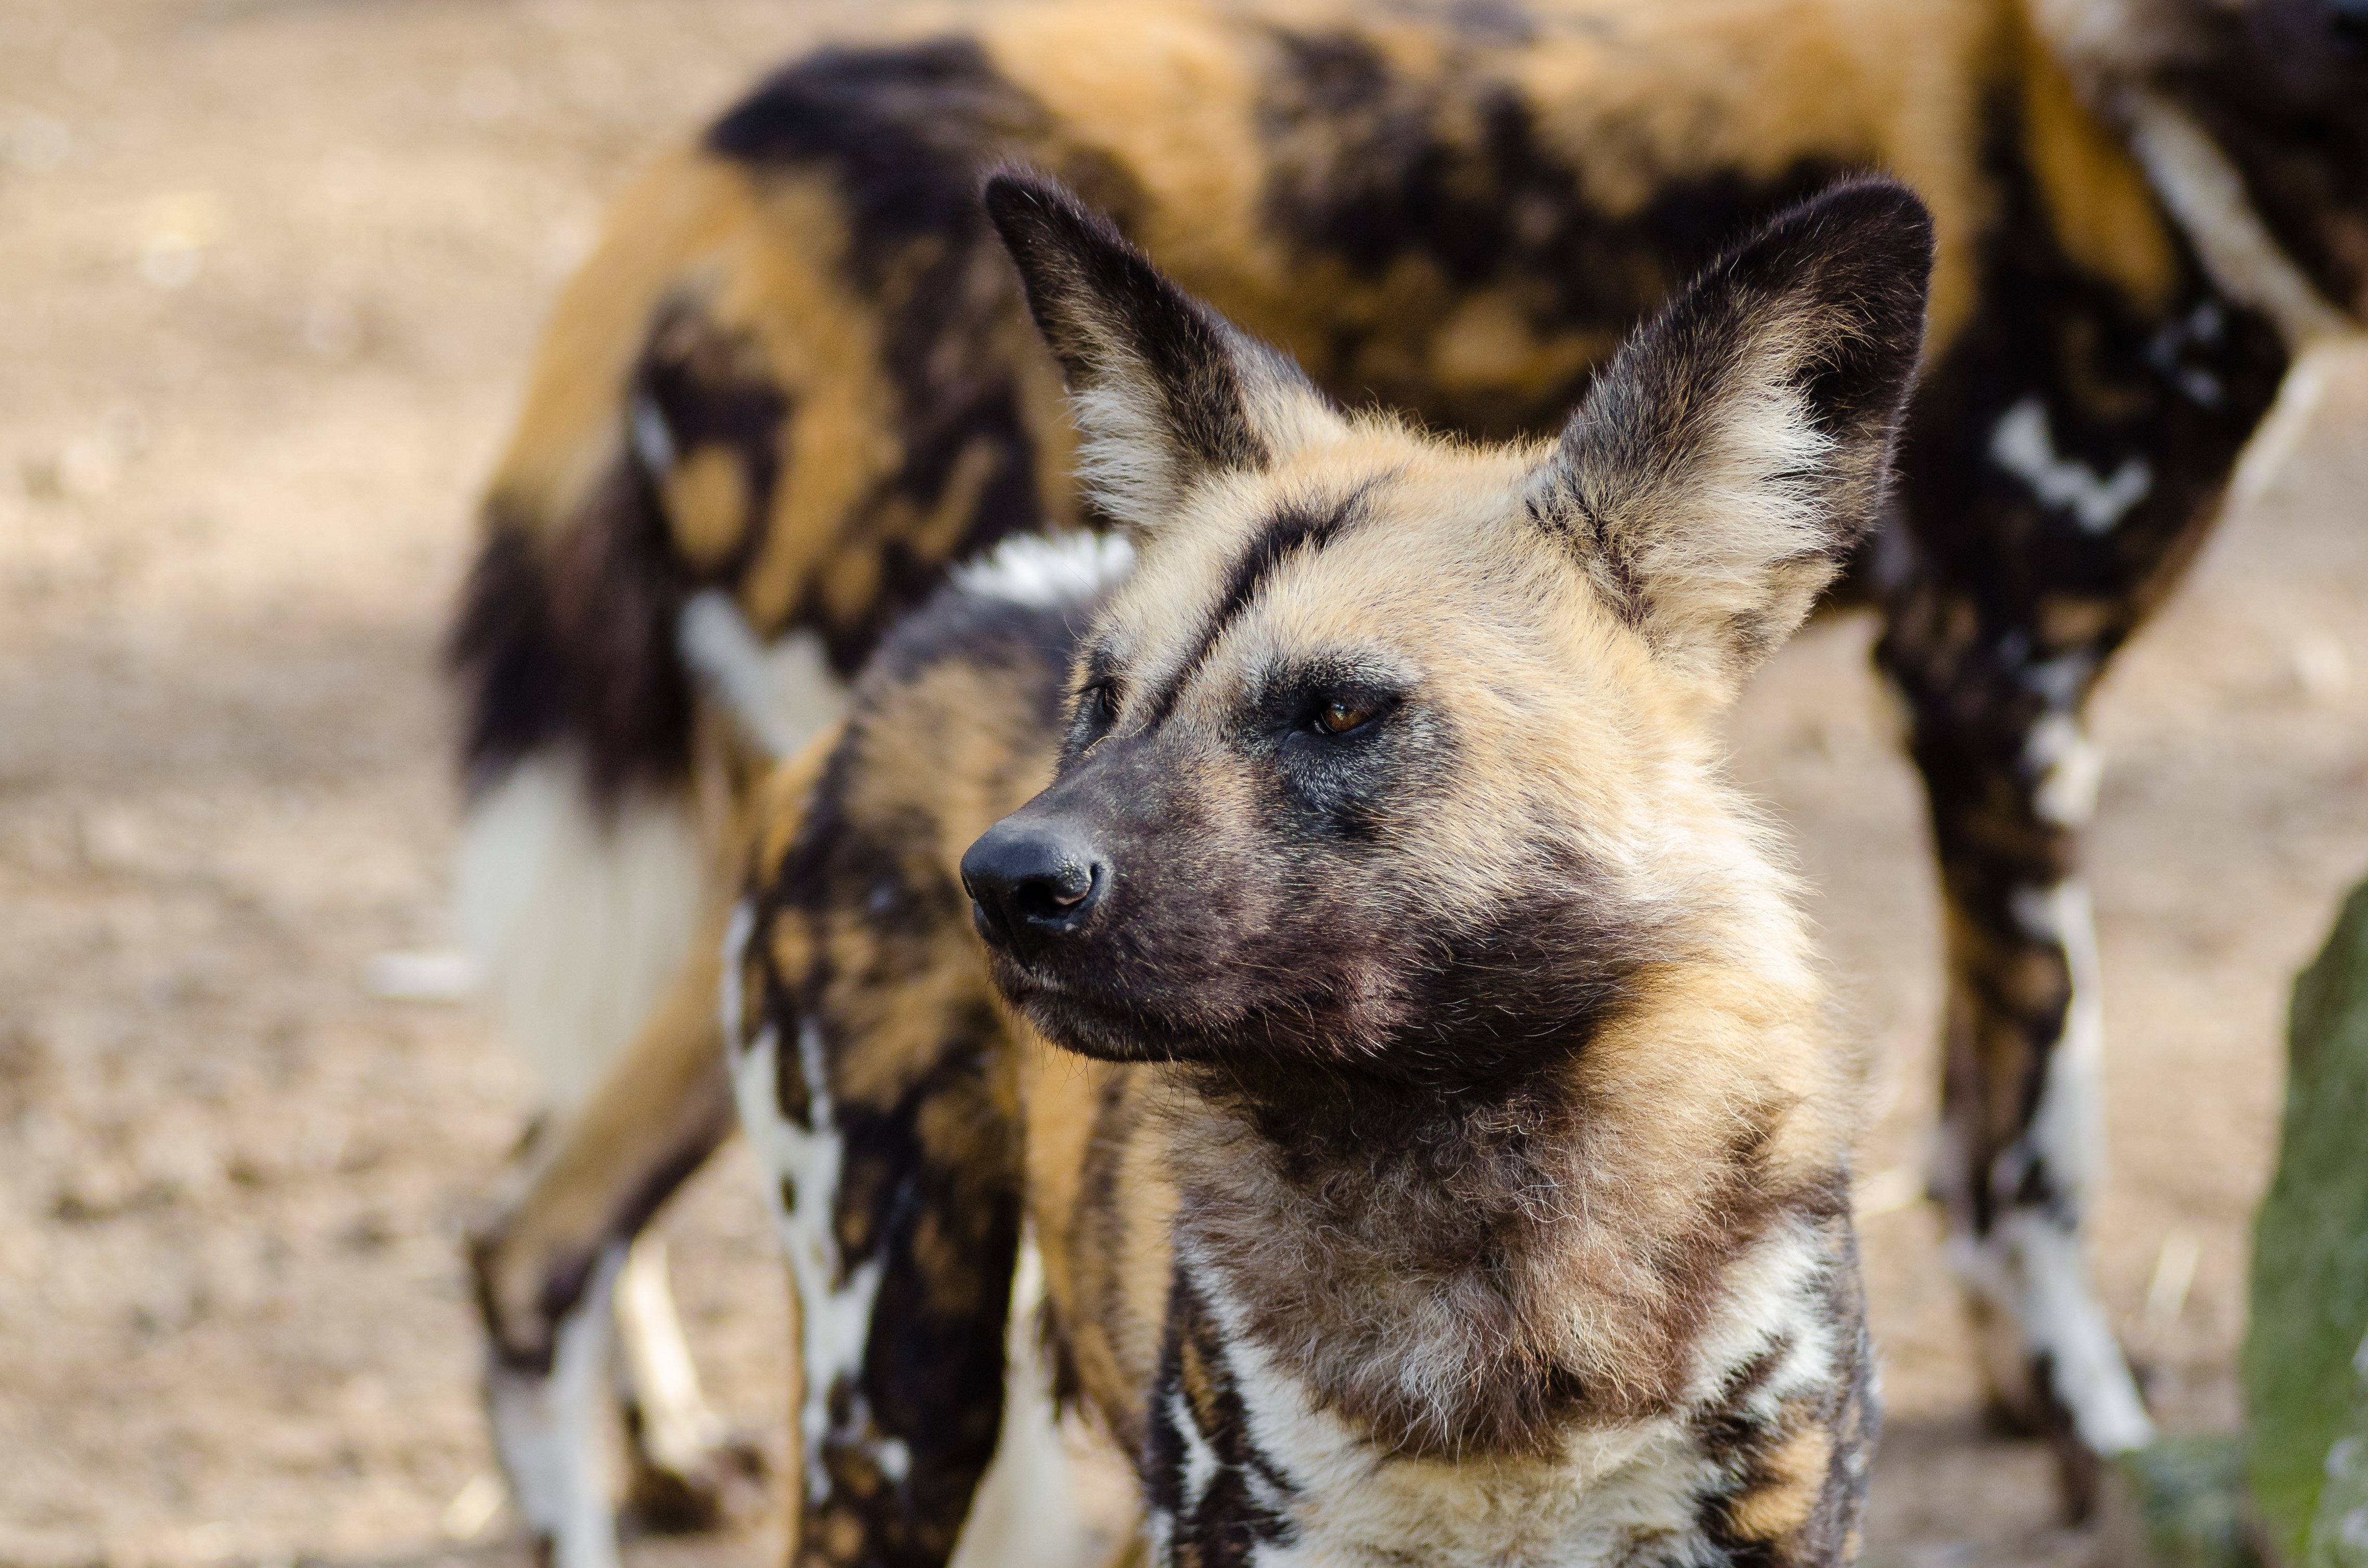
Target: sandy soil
[{"x": 271, "y": 270}]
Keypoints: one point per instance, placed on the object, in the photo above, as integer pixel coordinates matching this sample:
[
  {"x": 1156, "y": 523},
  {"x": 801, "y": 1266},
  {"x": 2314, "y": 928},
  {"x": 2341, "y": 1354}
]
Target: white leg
[
  {"x": 1024, "y": 1512},
  {"x": 688, "y": 1472},
  {"x": 2030, "y": 1272},
  {"x": 677, "y": 1430},
  {"x": 577, "y": 921},
  {"x": 547, "y": 1426}
]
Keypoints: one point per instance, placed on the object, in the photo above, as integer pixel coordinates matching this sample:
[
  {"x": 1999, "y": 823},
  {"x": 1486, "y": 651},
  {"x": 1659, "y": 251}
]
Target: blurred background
[{"x": 270, "y": 271}]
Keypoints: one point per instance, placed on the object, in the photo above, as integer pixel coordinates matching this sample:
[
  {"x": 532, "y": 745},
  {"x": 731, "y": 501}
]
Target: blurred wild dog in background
[{"x": 796, "y": 385}]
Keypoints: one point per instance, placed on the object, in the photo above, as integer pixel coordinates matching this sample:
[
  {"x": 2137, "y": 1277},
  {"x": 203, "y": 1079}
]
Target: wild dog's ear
[
  {"x": 1165, "y": 391},
  {"x": 1738, "y": 446}
]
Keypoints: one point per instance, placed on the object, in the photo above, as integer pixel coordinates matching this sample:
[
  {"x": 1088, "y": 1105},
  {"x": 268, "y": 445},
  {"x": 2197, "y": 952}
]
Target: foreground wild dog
[
  {"x": 795, "y": 384},
  {"x": 1460, "y": 1171}
]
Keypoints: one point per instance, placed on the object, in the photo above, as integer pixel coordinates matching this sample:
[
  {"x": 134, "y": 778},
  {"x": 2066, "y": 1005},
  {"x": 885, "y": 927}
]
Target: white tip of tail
[{"x": 576, "y": 923}]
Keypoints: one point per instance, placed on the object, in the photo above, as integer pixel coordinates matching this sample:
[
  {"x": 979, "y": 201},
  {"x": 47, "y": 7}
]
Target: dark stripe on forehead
[{"x": 1285, "y": 534}]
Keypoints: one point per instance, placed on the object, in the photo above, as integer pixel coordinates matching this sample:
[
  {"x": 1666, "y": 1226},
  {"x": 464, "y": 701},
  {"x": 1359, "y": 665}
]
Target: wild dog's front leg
[
  {"x": 547, "y": 1266},
  {"x": 893, "y": 1154}
]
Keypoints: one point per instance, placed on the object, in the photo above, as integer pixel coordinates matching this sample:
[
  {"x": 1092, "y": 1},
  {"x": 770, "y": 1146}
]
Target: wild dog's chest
[{"x": 1242, "y": 1463}]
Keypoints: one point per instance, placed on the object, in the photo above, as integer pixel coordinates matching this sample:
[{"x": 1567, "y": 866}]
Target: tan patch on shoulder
[
  {"x": 2098, "y": 203},
  {"x": 779, "y": 281},
  {"x": 707, "y": 504},
  {"x": 674, "y": 216},
  {"x": 1170, "y": 90},
  {"x": 1795, "y": 1472},
  {"x": 776, "y": 808}
]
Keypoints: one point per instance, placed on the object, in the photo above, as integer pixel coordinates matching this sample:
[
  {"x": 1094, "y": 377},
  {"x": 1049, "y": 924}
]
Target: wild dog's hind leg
[
  {"x": 582, "y": 916},
  {"x": 686, "y": 1469},
  {"x": 547, "y": 1266}
]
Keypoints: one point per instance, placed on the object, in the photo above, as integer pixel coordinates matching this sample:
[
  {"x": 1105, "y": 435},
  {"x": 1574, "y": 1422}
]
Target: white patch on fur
[
  {"x": 2067, "y": 1128},
  {"x": 653, "y": 439},
  {"x": 678, "y": 1430},
  {"x": 2059, "y": 679},
  {"x": 895, "y": 1459},
  {"x": 2031, "y": 1267},
  {"x": 547, "y": 1431},
  {"x": 1159, "y": 1537},
  {"x": 835, "y": 1303},
  {"x": 2068, "y": 766},
  {"x": 2282, "y": 428},
  {"x": 1774, "y": 1292},
  {"x": 1044, "y": 570},
  {"x": 1024, "y": 1512},
  {"x": 2205, "y": 193},
  {"x": 2036, "y": 1271},
  {"x": 2205, "y": 326},
  {"x": 782, "y": 693},
  {"x": 2024, "y": 445},
  {"x": 730, "y": 1004},
  {"x": 1610, "y": 1489},
  {"x": 577, "y": 923},
  {"x": 1200, "y": 1458},
  {"x": 2102, "y": 38}
]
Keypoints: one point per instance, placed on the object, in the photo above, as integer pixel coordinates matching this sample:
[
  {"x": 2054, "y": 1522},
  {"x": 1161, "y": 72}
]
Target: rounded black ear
[
  {"x": 1740, "y": 444},
  {"x": 1164, "y": 389}
]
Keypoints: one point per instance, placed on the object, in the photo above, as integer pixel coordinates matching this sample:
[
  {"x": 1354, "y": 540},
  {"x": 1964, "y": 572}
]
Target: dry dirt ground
[{"x": 268, "y": 273}]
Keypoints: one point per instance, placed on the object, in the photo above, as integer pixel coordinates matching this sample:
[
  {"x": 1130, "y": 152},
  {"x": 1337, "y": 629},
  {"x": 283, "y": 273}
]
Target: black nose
[{"x": 1030, "y": 882}]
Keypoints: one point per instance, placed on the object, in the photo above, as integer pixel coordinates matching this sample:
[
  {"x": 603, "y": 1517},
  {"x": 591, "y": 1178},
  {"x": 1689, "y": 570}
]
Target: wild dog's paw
[{"x": 721, "y": 1484}]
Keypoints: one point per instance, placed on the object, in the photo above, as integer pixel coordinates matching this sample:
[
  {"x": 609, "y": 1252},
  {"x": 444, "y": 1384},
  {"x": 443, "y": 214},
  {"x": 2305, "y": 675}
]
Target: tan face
[
  {"x": 1338, "y": 761},
  {"x": 1372, "y": 760}
]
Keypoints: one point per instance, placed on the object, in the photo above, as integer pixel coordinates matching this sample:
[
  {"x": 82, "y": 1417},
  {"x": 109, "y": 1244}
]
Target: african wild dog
[
  {"x": 794, "y": 385},
  {"x": 1459, "y": 1170}
]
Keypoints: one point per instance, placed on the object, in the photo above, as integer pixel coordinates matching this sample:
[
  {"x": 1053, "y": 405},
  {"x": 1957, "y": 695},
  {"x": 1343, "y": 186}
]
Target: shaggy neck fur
[{"x": 1473, "y": 1269}]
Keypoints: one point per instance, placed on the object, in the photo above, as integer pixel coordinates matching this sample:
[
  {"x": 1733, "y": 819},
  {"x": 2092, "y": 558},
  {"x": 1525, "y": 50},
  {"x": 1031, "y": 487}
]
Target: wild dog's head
[{"x": 1395, "y": 750}]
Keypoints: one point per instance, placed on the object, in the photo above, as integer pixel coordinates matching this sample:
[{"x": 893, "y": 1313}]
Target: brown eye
[{"x": 1339, "y": 718}]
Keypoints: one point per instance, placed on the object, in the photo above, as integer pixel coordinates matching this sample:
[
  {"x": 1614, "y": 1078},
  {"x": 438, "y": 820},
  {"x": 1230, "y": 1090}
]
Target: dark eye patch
[
  {"x": 1314, "y": 694},
  {"x": 1344, "y": 736},
  {"x": 1095, "y": 703}
]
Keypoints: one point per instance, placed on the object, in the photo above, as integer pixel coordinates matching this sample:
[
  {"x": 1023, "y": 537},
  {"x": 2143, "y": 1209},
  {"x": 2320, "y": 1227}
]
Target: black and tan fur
[
  {"x": 1458, "y": 1167},
  {"x": 796, "y": 375}
]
